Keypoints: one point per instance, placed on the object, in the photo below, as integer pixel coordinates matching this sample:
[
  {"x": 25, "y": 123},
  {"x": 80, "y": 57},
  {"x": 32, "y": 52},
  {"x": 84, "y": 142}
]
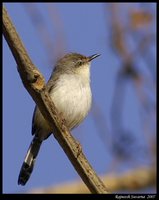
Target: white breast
[{"x": 72, "y": 97}]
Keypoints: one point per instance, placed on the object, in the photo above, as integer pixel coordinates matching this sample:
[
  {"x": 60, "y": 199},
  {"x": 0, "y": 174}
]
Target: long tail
[{"x": 29, "y": 161}]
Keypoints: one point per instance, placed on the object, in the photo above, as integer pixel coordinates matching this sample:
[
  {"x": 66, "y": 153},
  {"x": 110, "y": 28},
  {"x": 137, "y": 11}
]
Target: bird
[{"x": 70, "y": 90}]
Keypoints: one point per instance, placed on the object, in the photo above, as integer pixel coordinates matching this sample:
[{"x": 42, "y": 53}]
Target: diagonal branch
[{"x": 35, "y": 85}]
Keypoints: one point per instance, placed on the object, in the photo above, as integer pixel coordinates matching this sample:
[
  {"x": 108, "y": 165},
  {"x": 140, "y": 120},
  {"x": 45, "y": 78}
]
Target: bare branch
[
  {"x": 132, "y": 180},
  {"x": 35, "y": 85}
]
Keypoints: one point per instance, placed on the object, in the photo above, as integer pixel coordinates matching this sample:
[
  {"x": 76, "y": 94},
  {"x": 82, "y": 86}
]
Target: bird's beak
[{"x": 93, "y": 56}]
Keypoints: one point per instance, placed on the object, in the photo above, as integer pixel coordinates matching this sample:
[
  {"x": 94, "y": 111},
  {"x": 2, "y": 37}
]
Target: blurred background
[{"x": 119, "y": 135}]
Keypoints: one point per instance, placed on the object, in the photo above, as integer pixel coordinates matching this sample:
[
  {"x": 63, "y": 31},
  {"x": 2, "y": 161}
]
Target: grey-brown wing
[
  {"x": 50, "y": 85},
  {"x": 34, "y": 128}
]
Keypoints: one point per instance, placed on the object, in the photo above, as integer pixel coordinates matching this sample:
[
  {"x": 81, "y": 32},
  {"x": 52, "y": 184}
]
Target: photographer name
[{"x": 130, "y": 196}]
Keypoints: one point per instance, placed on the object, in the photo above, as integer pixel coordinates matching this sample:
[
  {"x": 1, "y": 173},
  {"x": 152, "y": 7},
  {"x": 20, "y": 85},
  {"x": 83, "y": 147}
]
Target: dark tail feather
[{"x": 29, "y": 161}]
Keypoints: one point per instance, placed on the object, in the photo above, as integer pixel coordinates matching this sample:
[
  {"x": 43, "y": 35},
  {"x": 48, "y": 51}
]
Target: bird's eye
[{"x": 79, "y": 63}]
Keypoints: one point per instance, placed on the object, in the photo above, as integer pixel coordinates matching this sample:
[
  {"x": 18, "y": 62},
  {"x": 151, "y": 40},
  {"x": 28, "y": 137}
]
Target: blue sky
[{"x": 85, "y": 29}]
